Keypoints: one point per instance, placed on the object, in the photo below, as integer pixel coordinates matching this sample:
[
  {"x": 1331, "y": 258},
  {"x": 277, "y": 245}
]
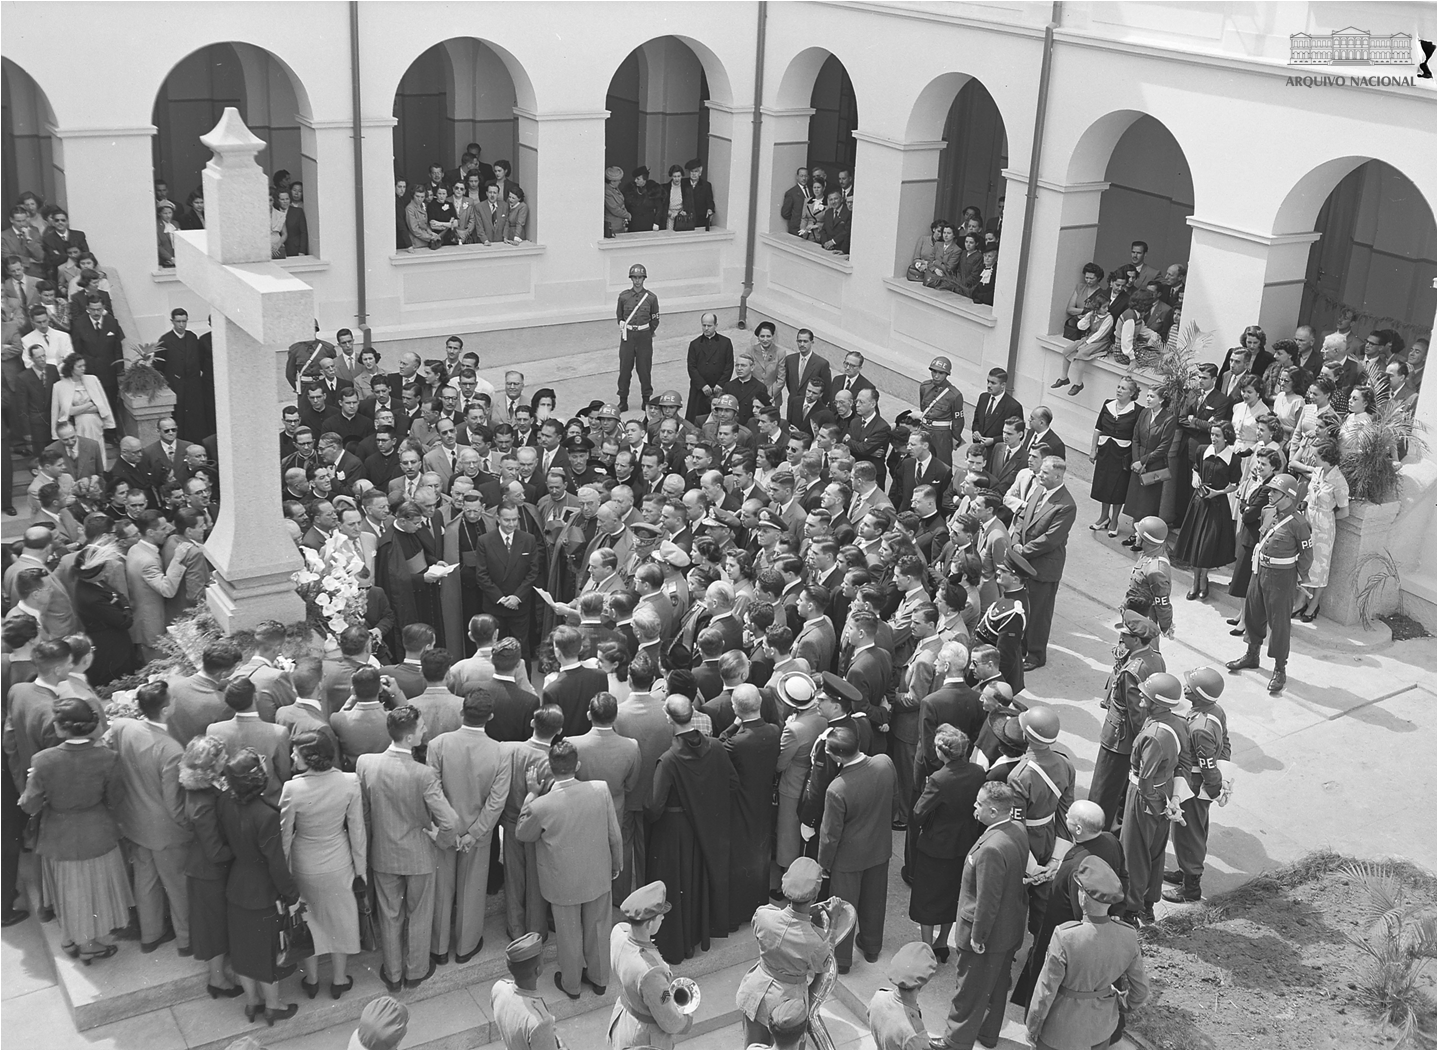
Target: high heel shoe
[
  {"x": 71, "y": 950},
  {"x": 941, "y": 953},
  {"x": 1192, "y": 594},
  {"x": 271, "y": 1016},
  {"x": 217, "y": 991},
  {"x": 88, "y": 958},
  {"x": 1203, "y": 595},
  {"x": 310, "y": 990},
  {"x": 336, "y": 991},
  {"x": 1309, "y": 618},
  {"x": 253, "y": 1011}
]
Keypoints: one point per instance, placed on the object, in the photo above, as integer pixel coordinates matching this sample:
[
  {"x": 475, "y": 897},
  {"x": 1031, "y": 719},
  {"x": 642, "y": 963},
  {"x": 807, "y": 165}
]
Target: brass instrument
[
  {"x": 685, "y": 994},
  {"x": 837, "y": 919}
]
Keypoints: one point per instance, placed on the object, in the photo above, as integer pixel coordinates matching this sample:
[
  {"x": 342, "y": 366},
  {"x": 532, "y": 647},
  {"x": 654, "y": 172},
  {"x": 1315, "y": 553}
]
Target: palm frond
[{"x": 1177, "y": 368}]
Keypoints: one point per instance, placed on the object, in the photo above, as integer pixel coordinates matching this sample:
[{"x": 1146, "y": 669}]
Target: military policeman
[
  {"x": 792, "y": 950},
  {"x": 1280, "y": 558},
  {"x": 1160, "y": 751},
  {"x": 941, "y": 410},
  {"x": 1076, "y": 1001},
  {"x": 645, "y": 1014},
  {"x": 1208, "y": 740},
  {"x": 725, "y": 409},
  {"x": 638, "y": 315},
  {"x": 1150, "y": 580},
  {"x": 1043, "y": 784},
  {"x": 1005, "y": 623},
  {"x": 519, "y": 1011},
  {"x": 670, "y": 403},
  {"x": 894, "y": 1016},
  {"x": 1135, "y": 660}
]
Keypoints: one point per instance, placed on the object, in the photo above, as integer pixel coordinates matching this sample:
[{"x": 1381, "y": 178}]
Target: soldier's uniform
[
  {"x": 792, "y": 950},
  {"x": 1044, "y": 782},
  {"x": 1004, "y": 626},
  {"x": 941, "y": 408},
  {"x": 1151, "y": 581},
  {"x": 638, "y": 316},
  {"x": 521, "y": 1015},
  {"x": 1160, "y": 750},
  {"x": 1282, "y": 555},
  {"x": 1209, "y": 744},
  {"x": 645, "y": 1014},
  {"x": 1123, "y": 718},
  {"x": 894, "y": 1016},
  {"x": 1075, "y": 1003}
]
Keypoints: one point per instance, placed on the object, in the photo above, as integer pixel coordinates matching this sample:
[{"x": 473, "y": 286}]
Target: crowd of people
[
  {"x": 475, "y": 203},
  {"x": 962, "y": 259},
  {"x": 578, "y": 630},
  {"x": 815, "y": 211},
  {"x": 685, "y": 201}
]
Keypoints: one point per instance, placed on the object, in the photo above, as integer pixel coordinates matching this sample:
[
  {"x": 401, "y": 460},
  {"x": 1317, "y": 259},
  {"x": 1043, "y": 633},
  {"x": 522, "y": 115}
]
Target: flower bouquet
[{"x": 329, "y": 585}]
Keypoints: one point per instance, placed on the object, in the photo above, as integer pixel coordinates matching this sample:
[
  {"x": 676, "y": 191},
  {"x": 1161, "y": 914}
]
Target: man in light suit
[
  {"x": 505, "y": 571},
  {"x": 490, "y": 215},
  {"x": 151, "y": 583},
  {"x": 151, "y": 815},
  {"x": 82, "y": 456},
  {"x": 867, "y": 494},
  {"x": 803, "y": 365},
  {"x": 247, "y": 730},
  {"x": 992, "y": 906},
  {"x": 274, "y": 690},
  {"x": 1041, "y": 534},
  {"x": 407, "y": 816},
  {"x": 605, "y": 755},
  {"x": 816, "y": 642},
  {"x": 570, "y": 823},
  {"x": 475, "y": 775},
  {"x": 855, "y": 840},
  {"x": 197, "y": 701}
]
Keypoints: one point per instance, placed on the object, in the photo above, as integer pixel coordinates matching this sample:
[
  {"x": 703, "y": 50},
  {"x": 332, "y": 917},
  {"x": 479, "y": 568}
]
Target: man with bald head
[
  {"x": 610, "y": 533},
  {"x": 131, "y": 467},
  {"x": 711, "y": 363},
  {"x": 165, "y": 456},
  {"x": 753, "y": 747}
]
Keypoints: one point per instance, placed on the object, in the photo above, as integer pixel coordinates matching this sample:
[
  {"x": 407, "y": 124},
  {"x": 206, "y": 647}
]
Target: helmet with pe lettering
[
  {"x": 1040, "y": 723},
  {"x": 1206, "y": 683},
  {"x": 941, "y": 364},
  {"x": 637, "y": 270},
  {"x": 1152, "y": 529},
  {"x": 1162, "y": 688},
  {"x": 670, "y": 399}
]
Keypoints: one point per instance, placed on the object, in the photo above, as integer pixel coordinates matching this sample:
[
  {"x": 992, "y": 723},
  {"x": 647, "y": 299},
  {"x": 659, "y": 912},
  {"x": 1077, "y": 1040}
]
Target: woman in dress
[
  {"x": 466, "y": 220},
  {"x": 442, "y": 220},
  {"x": 965, "y": 280},
  {"x": 1288, "y": 400},
  {"x": 1270, "y": 432},
  {"x": 78, "y": 398},
  {"x": 1327, "y": 502},
  {"x": 1317, "y": 420},
  {"x": 946, "y": 266},
  {"x": 1285, "y": 353},
  {"x": 739, "y": 574},
  {"x": 103, "y": 610},
  {"x": 768, "y": 361},
  {"x": 369, "y": 359},
  {"x": 1152, "y": 437},
  {"x": 1096, "y": 341},
  {"x": 946, "y": 830},
  {"x": 1247, "y": 411},
  {"x": 259, "y": 882},
  {"x": 1359, "y": 418},
  {"x": 926, "y": 251},
  {"x": 813, "y": 214},
  {"x": 1112, "y": 453},
  {"x": 279, "y": 218},
  {"x": 323, "y": 829},
  {"x": 1090, "y": 284},
  {"x": 1207, "y": 540},
  {"x": 673, "y": 197},
  {"x": 518, "y": 217},
  {"x": 612, "y": 657},
  {"x": 74, "y": 787},
  {"x": 207, "y": 864},
  {"x": 1251, "y": 507}
]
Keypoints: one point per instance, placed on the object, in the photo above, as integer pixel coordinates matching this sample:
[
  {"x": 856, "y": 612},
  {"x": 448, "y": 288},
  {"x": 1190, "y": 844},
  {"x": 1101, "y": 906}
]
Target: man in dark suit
[
  {"x": 1041, "y": 534},
  {"x": 852, "y": 379},
  {"x": 98, "y": 337},
  {"x": 575, "y": 685},
  {"x": 34, "y": 389},
  {"x": 814, "y": 405},
  {"x": 1009, "y": 456},
  {"x": 868, "y": 437},
  {"x": 833, "y": 230},
  {"x": 952, "y": 701},
  {"x": 994, "y": 406},
  {"x": 698, "y": 195},
  {"x": 803, "y": 365},
  {"x": 505, "y": 570},
  {"x": 166, "y": 456},
  {"x": 992, "y": 906},
  {"x": 796, "y": 199},
  {"x": 58, "y": 239},
  {"x": 855, "y": 840},
  {"x": 920, "y": 467},
  {"x": 1040, "y": 432}
]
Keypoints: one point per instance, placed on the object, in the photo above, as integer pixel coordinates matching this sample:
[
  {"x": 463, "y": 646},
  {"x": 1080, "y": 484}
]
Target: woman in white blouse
[
  {"x": 1246, "y": 413},
  {"x": 78, "y": 398}
]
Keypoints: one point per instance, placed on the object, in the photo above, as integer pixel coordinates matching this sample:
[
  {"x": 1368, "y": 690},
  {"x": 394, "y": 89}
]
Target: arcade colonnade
[{"x": 1183, "y": 135}]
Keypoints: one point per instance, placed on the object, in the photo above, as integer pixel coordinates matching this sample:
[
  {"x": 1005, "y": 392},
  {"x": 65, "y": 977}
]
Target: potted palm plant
[{"x": 145, "y": 396}]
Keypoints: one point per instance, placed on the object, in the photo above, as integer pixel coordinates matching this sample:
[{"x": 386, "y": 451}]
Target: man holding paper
[
  {"x": 506, "y": 564},
  {"x": 408, "y": 568}
]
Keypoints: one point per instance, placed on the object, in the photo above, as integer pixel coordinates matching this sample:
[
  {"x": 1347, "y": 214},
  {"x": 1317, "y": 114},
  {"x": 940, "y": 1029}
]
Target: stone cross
[{"x": 258, "y": 309}]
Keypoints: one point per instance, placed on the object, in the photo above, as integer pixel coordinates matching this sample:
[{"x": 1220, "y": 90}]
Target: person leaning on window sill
[
  {"x": 517, "y": 218},
  {"x": 926, "y": 251}
]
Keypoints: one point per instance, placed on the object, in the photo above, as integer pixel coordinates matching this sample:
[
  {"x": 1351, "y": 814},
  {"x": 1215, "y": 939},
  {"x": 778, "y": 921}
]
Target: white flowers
[{"x": 329, "y": 586}]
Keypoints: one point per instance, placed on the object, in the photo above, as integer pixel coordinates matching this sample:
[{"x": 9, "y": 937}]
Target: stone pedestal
[
  {"x": 140, "y": 417},
  {"x": 1366, "y": 531}
]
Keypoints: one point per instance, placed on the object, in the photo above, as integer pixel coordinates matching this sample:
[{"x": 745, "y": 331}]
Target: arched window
[
  {"x": 1149, "y": 199},
  {"x": 30, "y": 160}
]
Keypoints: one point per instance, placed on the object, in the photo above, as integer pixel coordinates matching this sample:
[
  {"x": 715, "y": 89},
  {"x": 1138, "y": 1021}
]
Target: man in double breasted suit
[
  {"x": 407, "y": 816},
  {"x": 920, "y": 467},
  {"x": 868, "y": 437},
  {"x": 992, "y": 907},
  {"x": 151, "y": 817},
  {"x": 1041, "y": 534},
  {"x": 994, "y": 406},
  {"x": 574, "y": 828},
  {"x": 247, "y": 730},
  {"x": 506, "y": 565},
  {"x": 610, "y": 758}
]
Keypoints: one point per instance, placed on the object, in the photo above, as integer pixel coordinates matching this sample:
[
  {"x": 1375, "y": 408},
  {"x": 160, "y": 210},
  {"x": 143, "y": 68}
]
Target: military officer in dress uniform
[
  {"x": 645, "y": 1014},
  {"x": 894, "y": 1016},
  {"x": 519, "y": 1010},
  {"x": 1135, "y": 660},
  {"x": 1208, "y": 740},
  {"x": 1160, "y": 751},
  {"x": 1043, "y": 781},
  {"x": 941, "y": 410},
  {"x": 638, "y": 315},
  {"x": 1280, "y": 559},
  {"x": 1005, "y": 622},
  {"x": 792, "y": 950},
  {"x": 1076, "y": 1001},
  {"x": 1150, "y": 580}
]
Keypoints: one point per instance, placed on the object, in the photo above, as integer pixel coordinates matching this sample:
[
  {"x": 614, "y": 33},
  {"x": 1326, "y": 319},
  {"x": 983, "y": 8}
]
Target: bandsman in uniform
[
  {"x": 519, "y": 1011},
  {"x": 1150, "y": 580},
  {"x": 669, "y": 404},
  {"x": 792, "y": 950},
  {"x": 1076, "y": 1001},
  {"x": 645, "y": 1014},
  {"x": 790, "y": 1026},
  {"x": 894, "y": 1016},
  {"x": 1280, "y": 559},
  {"x": 941, "y": 410},
  {"x": 1005, "y": 623},
  {"x": 638, "y": 316},
  {"x": 1135, "y": 660},
  {"x": 1208, "y": 741},
  {"x": 1160, "y": 751},
  {"x": 1043, "y": 781}
]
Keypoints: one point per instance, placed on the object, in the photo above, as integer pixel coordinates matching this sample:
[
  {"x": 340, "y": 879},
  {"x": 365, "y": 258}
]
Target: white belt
[
  {"x": 1269, "y": 560},
  {"x": 1120, "y": 442},
  {"x": 1038, "y": 822},
  {"x": 635, "y": 328},
  {"x": 1133, "y": 778},
  {"x": 940, "y": 423}
]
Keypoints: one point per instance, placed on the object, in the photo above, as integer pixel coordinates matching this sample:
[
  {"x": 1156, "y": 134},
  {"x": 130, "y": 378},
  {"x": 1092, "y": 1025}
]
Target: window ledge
[
  {"x": 658, "y": 238},
  {"x": 300, "y": 264},
  {"x": 464, "y": 253},
  {"x": 1057, "y": 341},
  {"x": 797, "y": 246},
  {"x": 949, "y": 302}
]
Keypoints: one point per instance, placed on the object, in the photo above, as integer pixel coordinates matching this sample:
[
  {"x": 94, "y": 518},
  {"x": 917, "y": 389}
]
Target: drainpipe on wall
[
  {"x": 1031, "y": 198},
  {"x": 761, "y": 32},
  {"x": 361, "y": 313}
]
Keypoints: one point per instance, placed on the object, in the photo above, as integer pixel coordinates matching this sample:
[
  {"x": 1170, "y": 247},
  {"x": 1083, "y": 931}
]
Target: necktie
[
  {"x": 20, "y": 290},
  {"x": 507, "y": 539},
  {"x": 452, "y": 461}
]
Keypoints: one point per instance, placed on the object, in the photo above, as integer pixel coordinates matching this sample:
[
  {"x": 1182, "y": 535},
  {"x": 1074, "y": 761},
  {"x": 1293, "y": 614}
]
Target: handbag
[
  {"x": 683, "y": 221},
  {"x": 1153, "y": 477},
  {"x": 365, "y": 906},
  {"x": 297, "y": 942},
  {"x": 1071, "y": 328}
]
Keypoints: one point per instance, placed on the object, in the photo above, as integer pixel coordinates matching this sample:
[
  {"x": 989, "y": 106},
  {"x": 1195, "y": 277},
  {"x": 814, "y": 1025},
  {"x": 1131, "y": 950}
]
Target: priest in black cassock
[
  {"x": 404, "y": 567},
  {"x": 753, "y": 748},
  {"x": 179, "y": 359},
  {"x": 460, "y": 590},
  {"x": 690, "y": 837}
]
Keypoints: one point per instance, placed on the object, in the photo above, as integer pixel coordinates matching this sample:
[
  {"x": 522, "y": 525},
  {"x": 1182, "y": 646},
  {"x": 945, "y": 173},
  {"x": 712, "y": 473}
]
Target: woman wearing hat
[
  {"x": 947, "y": 830},
  {"x": 207, "y": 865},
  {"x": 646, "y": 1013},
  {"x": 259, "y": 880},
  {"x": 74, "y": 786}
]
